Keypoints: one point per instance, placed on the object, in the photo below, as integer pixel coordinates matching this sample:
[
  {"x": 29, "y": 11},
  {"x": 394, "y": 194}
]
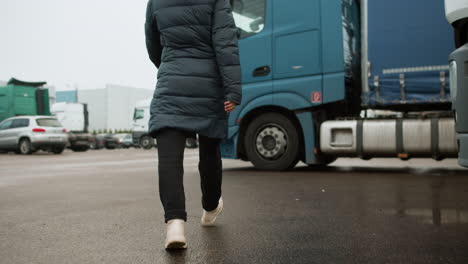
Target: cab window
[
  {"x": 249, "y": 16},
  {"x": 138, "y": 114}
]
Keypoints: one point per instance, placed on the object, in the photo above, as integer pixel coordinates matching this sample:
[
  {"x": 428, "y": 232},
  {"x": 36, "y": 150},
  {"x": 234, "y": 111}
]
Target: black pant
[{"x": 171, "y": 146}]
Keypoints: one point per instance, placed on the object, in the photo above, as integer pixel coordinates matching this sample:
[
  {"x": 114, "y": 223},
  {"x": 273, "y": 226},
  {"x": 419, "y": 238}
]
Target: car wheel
[
  {"x": 272, "y": 142},
  {"x": 24, "y": 147},
  {"x": 146, "y": 142}
]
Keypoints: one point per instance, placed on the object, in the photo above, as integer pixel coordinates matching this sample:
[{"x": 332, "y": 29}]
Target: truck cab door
[
  {"x": 254, "y": 22},
  {"x": 308, "y": 53},
  {"x": 297, "y": 52}
]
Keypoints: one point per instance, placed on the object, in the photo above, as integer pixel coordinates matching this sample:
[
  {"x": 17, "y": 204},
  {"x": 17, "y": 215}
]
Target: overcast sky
[{"x": 87, "y": 43}]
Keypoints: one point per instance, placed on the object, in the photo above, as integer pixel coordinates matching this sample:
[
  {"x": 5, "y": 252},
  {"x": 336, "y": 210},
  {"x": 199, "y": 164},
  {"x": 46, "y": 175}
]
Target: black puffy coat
[{"x": 194, "y": 44}]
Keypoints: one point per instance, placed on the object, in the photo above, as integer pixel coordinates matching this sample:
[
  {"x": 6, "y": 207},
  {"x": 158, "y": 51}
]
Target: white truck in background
[
  {"x": 457, "y": 14},
  {"x": 141, "y": 116},
  {"x": 74, "y": 118}
]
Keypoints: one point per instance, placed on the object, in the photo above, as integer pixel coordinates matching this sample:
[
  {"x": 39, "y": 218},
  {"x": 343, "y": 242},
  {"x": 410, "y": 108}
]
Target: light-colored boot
[
  {"x": 175, "y": 238},
  {"x": 209, "y": 218}
]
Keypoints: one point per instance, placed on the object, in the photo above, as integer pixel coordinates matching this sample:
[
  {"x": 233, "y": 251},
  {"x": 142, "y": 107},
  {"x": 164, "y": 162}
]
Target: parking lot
[{"x": 103, "y": 207}]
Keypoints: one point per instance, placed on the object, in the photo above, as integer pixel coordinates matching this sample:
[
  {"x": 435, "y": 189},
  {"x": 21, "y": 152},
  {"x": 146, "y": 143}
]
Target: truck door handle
[{"x": 262, "y": 71}]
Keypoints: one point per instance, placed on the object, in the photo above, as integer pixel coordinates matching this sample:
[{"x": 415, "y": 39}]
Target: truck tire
[
  {"x": 322, "y": 162},
  {"x": 24, "y": 147},
  {"x": 80, "y": 149},
  {"x": 58, "y": 150},
  {"x": 93, "y": 145},
  {"x": 146, "y": 142},
  {"x": 272, "y": 141},
  {"x": 191, "y": 143}
]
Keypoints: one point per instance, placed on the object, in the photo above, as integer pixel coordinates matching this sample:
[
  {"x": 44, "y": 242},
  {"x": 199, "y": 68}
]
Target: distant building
[
  {"x": 111, "y": 107},
  {"x": 66, "y": 97}
]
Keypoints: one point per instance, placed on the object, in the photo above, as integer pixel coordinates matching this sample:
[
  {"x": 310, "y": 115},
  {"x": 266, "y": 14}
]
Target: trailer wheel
[
  {"x": 271, "y": 142},
  {"x": 24, "y": 147},
  {"x": 146, "y": 142}
]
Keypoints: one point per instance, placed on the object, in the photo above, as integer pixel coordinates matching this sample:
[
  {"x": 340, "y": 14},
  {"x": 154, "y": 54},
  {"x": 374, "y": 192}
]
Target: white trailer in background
[
  {"x": 141, "y": 117},
  {"x": 112, "y": 107},
  {"x": 74, "y": 118}
]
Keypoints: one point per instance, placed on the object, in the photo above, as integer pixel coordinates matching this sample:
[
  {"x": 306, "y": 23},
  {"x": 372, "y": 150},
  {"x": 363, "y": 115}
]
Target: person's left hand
[{"x": 229, "y": 106}]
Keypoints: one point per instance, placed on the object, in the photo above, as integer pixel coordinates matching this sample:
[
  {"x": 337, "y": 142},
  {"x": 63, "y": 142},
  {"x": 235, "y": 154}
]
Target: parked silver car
[{"x": 27, "y": 134}]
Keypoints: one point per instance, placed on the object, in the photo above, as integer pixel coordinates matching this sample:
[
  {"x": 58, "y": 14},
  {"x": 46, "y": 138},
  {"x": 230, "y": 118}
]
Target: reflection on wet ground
[
  {"x": 375, "y": 214},
  {"x": 103, "y": 207}
]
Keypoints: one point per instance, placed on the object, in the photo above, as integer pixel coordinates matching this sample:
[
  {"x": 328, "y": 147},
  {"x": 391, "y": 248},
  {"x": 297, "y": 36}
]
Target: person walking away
[{"x": 194, "y": 45}]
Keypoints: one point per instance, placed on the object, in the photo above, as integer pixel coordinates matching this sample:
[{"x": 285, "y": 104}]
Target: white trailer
[{"x": 74, "y": 118}]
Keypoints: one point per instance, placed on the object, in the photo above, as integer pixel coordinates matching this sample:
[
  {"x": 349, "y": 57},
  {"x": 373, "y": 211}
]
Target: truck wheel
[
  {"x": 80, "y": 149},
  {"x": 146, "y": 142},
  {"x": 93, "y": 145},
  {"x": 272, "y": 142},
  {"x": 58, "y": 150},
  {"x": 24, "y": 147},
  {"x": 191, "y": 143},
  {"x": 322, "y": 162}
]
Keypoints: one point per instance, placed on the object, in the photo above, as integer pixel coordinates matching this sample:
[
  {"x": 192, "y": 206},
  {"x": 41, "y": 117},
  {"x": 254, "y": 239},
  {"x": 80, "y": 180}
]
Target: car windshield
[{"x": 48, "y": 122}]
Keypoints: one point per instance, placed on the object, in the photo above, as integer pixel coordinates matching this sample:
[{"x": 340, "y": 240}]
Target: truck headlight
[{"x": 453, "y": 80}]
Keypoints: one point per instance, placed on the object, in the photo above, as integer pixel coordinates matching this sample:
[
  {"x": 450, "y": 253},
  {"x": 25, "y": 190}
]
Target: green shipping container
[{"x": 21, "y": 98}]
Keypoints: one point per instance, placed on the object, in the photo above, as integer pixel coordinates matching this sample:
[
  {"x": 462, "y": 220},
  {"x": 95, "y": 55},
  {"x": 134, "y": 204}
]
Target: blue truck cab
[{"x": 302, "y": 65}]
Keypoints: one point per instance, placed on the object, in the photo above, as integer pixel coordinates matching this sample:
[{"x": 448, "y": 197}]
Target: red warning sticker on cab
[{"x": 316, "y": 97}]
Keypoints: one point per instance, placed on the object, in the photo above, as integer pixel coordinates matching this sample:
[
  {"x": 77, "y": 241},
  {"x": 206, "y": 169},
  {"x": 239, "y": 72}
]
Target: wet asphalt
[{"x": 103, "y": 207}]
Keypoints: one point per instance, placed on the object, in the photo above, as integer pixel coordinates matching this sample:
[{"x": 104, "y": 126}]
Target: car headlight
[{"x": 453, "y": 80}]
